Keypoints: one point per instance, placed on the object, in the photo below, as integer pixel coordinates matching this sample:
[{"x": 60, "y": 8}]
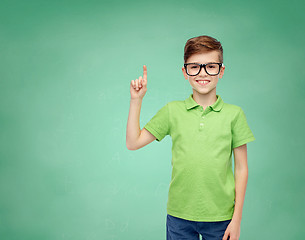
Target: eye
[
  {"x": 211, "y": 66},
  {"x": 194, "y": 66}
]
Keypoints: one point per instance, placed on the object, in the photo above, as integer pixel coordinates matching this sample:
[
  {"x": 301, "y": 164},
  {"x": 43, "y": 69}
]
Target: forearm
[
  {"x": 241, "y": 178},
  {"x": 133, "y": 123}
]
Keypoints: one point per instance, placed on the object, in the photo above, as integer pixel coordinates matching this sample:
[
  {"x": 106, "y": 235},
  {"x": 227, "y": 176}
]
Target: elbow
[{"x": 130, "y": 147}]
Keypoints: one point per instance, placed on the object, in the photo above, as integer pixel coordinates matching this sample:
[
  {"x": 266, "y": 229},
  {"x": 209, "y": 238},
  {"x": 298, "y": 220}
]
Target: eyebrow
[{"x": 204, "y": 63}]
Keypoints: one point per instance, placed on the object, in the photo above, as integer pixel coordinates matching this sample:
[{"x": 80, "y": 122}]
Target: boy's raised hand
[{"x": 138, "y": 87}]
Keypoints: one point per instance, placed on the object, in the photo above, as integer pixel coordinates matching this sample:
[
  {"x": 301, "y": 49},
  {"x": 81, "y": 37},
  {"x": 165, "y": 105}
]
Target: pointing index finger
[{"x": 145, "y": 72}]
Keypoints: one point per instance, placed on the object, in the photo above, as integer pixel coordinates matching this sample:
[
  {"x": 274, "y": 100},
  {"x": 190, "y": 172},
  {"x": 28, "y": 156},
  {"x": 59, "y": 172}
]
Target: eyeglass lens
[{"x": 211, "y": 68}]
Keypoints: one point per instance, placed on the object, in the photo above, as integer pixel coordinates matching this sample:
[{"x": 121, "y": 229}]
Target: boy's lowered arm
[{"x": 135, "y": 137}]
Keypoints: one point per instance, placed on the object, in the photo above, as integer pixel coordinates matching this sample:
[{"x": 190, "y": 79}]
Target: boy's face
[{"x": 203, "y": 58}]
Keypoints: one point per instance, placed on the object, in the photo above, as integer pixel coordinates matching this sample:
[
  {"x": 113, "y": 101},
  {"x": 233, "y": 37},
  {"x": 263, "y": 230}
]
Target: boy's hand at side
[{"x": 138, "y": 87}]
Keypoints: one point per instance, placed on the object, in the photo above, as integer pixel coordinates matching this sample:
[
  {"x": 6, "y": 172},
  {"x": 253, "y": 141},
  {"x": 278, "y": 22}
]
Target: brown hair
[{"x": 202, "y": 44}]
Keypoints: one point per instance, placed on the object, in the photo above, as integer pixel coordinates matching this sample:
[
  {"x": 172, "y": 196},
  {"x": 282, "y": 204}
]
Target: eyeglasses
[{"x": 193, "y": 69}]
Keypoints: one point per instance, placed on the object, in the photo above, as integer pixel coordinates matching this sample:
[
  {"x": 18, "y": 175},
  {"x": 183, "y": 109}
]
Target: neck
[{"x": 205, "y": 100}]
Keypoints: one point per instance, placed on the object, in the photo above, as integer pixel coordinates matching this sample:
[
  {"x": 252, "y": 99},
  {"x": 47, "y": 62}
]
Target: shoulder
[
  {"x": 236, "y": 114},
  {"x": 232, "y": 108},
  {"x": 175, "y": 104},
  {"x": 232, "y": 111}
]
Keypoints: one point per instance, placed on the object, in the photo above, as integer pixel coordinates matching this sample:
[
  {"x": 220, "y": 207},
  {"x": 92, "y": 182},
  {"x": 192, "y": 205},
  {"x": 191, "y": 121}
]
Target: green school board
[{"x": 65, "y": 72}]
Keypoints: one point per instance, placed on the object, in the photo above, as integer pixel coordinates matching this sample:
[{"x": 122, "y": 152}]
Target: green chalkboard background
[{"x": 65, "y": 71}]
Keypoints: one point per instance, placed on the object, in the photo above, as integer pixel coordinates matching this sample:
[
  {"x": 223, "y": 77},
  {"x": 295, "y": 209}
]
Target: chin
[{"x": 202, "y": 92}]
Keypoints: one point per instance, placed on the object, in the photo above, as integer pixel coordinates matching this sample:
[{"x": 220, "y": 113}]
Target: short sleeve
[
  {"x": 241, "y": 132},
  {"x": 159, "y": 124}
]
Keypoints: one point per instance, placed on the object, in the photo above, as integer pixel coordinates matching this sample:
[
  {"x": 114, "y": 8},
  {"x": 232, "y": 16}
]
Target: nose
[{"x": 202, "y": 71}]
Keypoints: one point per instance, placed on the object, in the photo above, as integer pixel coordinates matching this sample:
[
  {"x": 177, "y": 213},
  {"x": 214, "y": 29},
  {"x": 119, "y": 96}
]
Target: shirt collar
[{"x": 191, "y": 103}]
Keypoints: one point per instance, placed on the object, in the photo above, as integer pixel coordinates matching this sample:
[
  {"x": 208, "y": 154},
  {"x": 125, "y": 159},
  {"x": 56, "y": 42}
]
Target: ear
[
  {"x": 222, "y": 71},
  {"x": 184, "y": 73}
]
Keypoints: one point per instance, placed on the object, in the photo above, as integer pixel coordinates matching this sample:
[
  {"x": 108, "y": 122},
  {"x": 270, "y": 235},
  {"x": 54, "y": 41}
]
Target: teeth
[{"x": 203, "y": 81}]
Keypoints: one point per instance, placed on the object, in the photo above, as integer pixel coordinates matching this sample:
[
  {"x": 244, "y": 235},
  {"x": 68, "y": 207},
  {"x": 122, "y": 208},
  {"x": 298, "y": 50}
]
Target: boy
[{"x": 204, "y": 196}]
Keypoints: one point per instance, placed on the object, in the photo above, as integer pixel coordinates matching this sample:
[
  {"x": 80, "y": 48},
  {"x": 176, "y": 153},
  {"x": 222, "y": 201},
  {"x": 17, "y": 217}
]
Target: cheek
[{"x": 215, "y": 79}]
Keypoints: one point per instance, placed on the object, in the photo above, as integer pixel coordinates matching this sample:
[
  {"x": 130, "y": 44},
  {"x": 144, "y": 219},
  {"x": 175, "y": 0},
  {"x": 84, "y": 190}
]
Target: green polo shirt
[{"x": 202, "y": 186}]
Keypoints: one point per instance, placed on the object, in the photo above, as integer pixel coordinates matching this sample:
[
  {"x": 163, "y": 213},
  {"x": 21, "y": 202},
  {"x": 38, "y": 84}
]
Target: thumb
[{"x": 225, "y": 236}]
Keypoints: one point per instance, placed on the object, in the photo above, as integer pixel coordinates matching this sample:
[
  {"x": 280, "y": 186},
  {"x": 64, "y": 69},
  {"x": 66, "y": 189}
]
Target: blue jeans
[{"x": 182, "y": 229}]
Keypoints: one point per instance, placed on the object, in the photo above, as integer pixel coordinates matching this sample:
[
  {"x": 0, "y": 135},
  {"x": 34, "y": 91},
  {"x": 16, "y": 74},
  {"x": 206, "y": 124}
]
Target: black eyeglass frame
[{"x": 204, "y": 66}]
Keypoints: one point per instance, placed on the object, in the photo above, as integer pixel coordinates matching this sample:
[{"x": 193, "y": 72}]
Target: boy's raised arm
[{"x": 135, "y": 138}]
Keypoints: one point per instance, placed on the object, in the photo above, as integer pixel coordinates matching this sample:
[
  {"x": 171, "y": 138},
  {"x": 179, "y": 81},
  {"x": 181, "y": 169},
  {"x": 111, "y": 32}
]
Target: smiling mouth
[{"x": 202, "y": 82}]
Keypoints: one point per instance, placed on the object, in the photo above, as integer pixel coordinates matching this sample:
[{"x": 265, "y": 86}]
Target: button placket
[
  {"x": 202, "y": 117},
  {"x": 201, "y": 121}
]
